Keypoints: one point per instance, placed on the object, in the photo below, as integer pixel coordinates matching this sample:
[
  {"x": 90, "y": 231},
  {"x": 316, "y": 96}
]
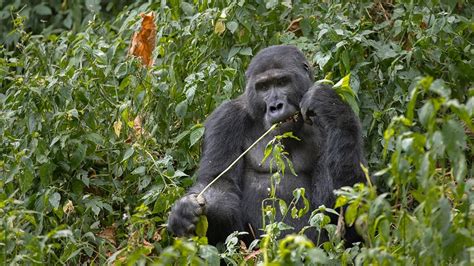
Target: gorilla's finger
[
  {"x": 199, "y": 211},
  {"x": 201, "y": 200},
  {"x": 190, "y": 229}
]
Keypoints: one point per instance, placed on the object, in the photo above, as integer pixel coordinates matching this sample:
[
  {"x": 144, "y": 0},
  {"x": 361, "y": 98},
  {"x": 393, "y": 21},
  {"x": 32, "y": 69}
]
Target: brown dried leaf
[
  {"x": 253, "y": 255},
  {"x": 295, "y": 26},
  {"x": 137, "y": 125},
  {"x": 157, "y": 235},
  {"x": 108, "y": 234},
  {"x": 341, "y": 225},
  {"x": 143, "y": 42},
  {"x": 68, "y": 208}
]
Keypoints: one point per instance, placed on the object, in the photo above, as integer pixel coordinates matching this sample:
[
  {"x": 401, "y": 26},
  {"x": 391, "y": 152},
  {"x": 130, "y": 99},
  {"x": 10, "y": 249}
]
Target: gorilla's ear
[{"x": 309, "y": 70}]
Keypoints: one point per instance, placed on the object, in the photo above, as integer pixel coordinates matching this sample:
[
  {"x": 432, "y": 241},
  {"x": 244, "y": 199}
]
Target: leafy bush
[{"x": 95, "y": 148}]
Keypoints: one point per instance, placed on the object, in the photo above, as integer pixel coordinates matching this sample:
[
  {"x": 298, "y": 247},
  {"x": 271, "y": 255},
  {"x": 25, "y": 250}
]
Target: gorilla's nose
[{"x": 276, "y": 109}]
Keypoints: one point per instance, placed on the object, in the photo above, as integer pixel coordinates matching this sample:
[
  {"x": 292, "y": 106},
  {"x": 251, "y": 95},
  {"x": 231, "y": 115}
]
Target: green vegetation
[{"x": 95, "y": 148}]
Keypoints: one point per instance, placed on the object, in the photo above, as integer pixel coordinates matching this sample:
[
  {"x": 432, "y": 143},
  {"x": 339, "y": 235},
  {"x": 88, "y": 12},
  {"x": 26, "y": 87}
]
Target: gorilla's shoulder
[{"x": 230, "y": 116}]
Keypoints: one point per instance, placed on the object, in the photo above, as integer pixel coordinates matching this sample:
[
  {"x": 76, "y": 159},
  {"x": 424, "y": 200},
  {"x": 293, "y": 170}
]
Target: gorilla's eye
[
  {"x": 282, "y": 81},
  {"x": 261, "y": 86},
  {"x": 306, "y": 67}
]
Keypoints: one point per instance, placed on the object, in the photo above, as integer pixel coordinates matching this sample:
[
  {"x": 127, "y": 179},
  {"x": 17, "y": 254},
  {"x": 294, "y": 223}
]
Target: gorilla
[{"x": 279, "y": 85}]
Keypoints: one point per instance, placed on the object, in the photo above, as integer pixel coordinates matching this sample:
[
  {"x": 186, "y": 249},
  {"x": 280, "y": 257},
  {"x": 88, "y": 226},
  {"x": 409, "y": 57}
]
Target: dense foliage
[{"x": 95, "y": 148}]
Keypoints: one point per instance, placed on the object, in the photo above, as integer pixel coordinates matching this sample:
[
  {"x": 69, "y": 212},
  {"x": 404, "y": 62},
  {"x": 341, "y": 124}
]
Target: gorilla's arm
[
  {"x": 223, "y": 143},
  {"x": 343, "y": 148}
]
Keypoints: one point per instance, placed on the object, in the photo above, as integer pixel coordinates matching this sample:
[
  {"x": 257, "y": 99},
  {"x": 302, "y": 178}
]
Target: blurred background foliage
[{"x": 94, "y": 148}]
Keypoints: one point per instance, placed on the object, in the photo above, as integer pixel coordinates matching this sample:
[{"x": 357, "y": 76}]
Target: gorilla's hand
[
  {"x": 322, "y": 105},
  {"x": 185, "y": 214}
]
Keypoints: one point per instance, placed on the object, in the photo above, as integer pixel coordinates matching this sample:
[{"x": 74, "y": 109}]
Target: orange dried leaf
[{"x": 143, "y": 42}]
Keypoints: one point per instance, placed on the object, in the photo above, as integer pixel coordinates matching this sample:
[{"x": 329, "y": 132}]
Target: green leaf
[
  {"x": 294, "y": 213},
  {"x": 26, "y": 180},
  {"x": 196, "y": 135},
  {"x": 318, "y": 256},
  {"x": 322, "y": 59},
  {"x": 283, "y": 207},
  {"x": 93, "y": 5},
  {"x": 232, "y": 26},
  {"x": 246, "y": 51},
  {"x": 139, "y": 170},
  {"x": 187, "y": 8},
  {"x": 201, "y": 226},
  {"x": 128, "y": 153},
  {"x": 210, "y": 254},
  {"x": 454, "y": 138},
  {"x": 42, "y": 10},
  {"x": 426, "y": 114},
  {"x": 46, "y": 172},
  {"x": 74, "y": 113},
  {"x": 267, "y": 152},
  {"x": 340, "y": 201},
  {"x": 78, "y": 155},
  {"x": 55, "y": 199},
  {"x": 351, "y": 213},
  {"x": 438, "y": 86},
  {"x": 181, "y": 108},
  {"x": 95, "y": 138}
]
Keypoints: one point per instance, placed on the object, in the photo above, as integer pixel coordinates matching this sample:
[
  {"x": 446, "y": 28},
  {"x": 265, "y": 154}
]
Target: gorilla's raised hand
[
  {"x": 322, "y": 105},
  {"x": 185, "y": 215}
]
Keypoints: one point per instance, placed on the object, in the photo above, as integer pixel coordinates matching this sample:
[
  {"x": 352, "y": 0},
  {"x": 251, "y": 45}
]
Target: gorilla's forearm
[{"x": 343, "y": 145}]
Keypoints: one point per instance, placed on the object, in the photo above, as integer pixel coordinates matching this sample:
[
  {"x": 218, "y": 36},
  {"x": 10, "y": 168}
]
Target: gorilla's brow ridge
[{"x": 272, "y": 74}]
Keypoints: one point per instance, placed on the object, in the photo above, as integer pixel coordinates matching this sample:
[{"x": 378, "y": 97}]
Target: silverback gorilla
[{"x": 279, "y": 84}]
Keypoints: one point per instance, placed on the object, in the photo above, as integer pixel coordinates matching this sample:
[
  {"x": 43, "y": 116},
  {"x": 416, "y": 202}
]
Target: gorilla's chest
[
  {"x": 255, "y": 182},
  {"x": 302, "y": 153}
]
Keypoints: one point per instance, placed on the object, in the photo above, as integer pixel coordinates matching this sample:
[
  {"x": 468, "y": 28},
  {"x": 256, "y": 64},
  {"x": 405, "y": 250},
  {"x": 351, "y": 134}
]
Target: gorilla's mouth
[{"x": 293, "y": 118}]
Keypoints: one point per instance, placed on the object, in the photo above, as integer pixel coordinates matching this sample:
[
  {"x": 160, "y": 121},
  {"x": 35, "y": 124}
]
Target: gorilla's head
[{"x": 277, "y": 78}]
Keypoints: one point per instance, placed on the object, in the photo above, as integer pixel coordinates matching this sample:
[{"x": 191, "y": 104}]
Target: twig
[{"x": 238, "y": 158}]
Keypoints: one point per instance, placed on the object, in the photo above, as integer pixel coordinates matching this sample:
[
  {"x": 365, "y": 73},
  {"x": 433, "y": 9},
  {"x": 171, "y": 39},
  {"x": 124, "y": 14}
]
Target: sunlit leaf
[{"x": 219, "y": 28}]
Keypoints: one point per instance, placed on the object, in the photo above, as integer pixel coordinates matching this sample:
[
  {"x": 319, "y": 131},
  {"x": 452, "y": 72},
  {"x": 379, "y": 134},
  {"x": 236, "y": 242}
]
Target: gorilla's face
[
  {"x": 275, "y": 89},
  {"x": 277, "y": 79}
]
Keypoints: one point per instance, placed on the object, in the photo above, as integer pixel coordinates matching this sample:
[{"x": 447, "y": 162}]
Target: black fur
[{"x": 328, "y": 156}]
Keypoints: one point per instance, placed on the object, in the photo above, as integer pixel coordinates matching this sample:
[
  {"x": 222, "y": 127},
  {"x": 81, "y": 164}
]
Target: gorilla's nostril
[{"x": 276, "y": 107}]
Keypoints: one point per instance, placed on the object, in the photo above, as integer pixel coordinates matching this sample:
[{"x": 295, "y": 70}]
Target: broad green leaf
[
  {"x": 55, "y": 199},
  {"x": 340, "y": 201},
  {"x": 426, "y": 114},
  {"x": 246, "y": 51},
  {"x": 440, "y": 88},
  {"x": 78, "y": 155},
  {"x": 128, "y": 153},
  {"x": 201, "y": 226},
  {"x": 43, "y": 10},
  {"x": 26, "y": 180},
  {"x": 139, "y": 170},
  {"x": 196, "y": 135},
  {"x": 351, "y": 212},
  {"x": 232, "y": 26},
  {"x": 181, "y": 108}
]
